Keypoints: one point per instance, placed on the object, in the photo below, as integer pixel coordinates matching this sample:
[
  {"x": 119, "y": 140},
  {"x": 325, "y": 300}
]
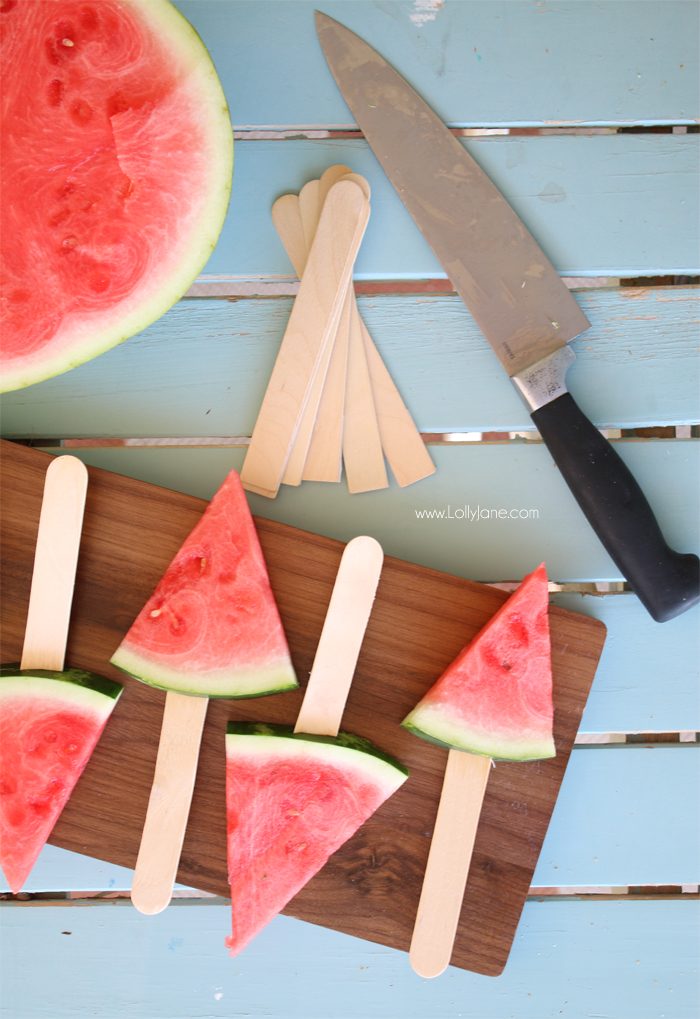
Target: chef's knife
[{"x": 519, "y": 302}]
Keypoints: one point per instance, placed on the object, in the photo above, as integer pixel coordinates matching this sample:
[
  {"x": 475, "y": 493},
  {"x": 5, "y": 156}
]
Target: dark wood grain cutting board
[{"x": 421, "y": 619}]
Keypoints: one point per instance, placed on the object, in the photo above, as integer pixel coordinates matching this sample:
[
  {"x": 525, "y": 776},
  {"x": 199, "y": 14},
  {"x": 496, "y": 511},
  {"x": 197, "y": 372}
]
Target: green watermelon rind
[
  {"x": 237, "y": 685},
  {"x": 168, "y": 21},
  {"x": 85, "y": 689},
  {"x": 345, "y": 749},
  {"x": 435, "y": 728}
]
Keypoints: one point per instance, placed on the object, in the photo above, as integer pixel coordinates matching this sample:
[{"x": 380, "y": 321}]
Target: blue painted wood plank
[
  {"x": 202, "y": 369},
  {"x": 615, "y": 205},
  {"x": 570, "y": 959},
  {"x": 649, "y": 675},
  {"x": 625, "y": 816},
  {"x": 447, "y": 521},
  {"x": 478, "y": 63},
  {"x": 611, "y": 799}
]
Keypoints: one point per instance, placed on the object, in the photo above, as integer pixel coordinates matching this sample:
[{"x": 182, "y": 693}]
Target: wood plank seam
[
  {"x": 193, "y": 897},
  {"x": 236, "y": 287},
  {"x": 679, "y": 432},
  {"x": 314, "y": 132}
]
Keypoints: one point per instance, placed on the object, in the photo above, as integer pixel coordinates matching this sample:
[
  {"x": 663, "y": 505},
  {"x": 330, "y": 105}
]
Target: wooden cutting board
[{"x": 421, "y": 619}]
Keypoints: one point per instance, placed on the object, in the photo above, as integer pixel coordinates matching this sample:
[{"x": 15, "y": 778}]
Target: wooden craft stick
[
  {"x": 312, "y": 324},
  {"x": 341, "y": 638},
  {"x": 309, "y": 214},
  {"x": 286, "y": 217},
  {"x": 318, "y": 446},
  {"x": 362, "y": 444},
  {"x": 169, "y": 803},
  {"x": 324, "y": 458},
  {"x": 310, "y": 210},
  {"x": 55, "y": 563},
  {"x": 317, "y": 451},
  {"x": 445, "y": 879},
  {"x": 403, "y": 444},
  {"x": 330, "y": 177}
]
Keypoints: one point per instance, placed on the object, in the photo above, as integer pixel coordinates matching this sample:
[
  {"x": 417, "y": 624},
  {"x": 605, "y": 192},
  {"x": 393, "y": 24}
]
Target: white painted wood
[
  {"x": 55, "y": 563},
  {"x": 169, "y": 802},
  {"x": 341, "y": 637},
  {"x": 311, "y": 326},
  {"x": 463, "y": 791}
]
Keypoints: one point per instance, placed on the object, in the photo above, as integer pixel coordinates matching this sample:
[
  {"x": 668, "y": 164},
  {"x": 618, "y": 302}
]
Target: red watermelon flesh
[
  {"x": 50, "y": 723},
  {"x": 212, "y": 627},
  {"x": 292, "y": 800},
  {"x": 116, "y": 167},
  {"x": 496, "y": 697}
]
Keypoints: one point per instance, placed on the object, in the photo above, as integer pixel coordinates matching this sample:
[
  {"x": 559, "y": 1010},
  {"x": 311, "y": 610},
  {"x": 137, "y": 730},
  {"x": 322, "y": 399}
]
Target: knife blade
[{"x": 519, "y": 302}]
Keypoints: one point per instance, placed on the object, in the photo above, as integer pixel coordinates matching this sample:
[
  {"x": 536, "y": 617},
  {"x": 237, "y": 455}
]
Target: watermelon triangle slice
[
  {"x": 212, "y": 627},
  {"x": 292, "y": 799},
  {"x": 50, "y": 723},
  {"x": 496, "y": 696}
]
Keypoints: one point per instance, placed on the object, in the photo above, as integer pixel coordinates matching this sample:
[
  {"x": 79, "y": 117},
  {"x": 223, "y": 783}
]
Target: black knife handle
[{"x": 666, "y": 582}]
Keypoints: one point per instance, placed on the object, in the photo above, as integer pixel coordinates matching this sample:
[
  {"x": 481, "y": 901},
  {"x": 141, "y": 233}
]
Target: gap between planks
[
  {"x": 193, "y": 897},
  {"x": 236, "y": 288},
  {"x": 682, "y": 432},
  {"x": 314, "y": 132}
]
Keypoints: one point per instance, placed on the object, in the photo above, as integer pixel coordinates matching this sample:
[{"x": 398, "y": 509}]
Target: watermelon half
[
  {"x": 496, "y": 697},
  {"x": 116, "y": 166},
  {"x": 50, "y": 723},
  {"x": 291, "y": 800},
  {"x": 212, "y": 627}
]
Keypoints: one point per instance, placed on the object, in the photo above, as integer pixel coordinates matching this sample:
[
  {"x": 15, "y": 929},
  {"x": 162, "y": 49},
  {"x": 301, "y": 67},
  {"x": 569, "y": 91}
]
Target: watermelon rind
[
  {"x": 433, "y": 726},
  {"x": 236, "y": 684},
  {"x": 76, "y": 685},
  {"x": 99, "y": 334},
  {"x": 270, "y": 739}
]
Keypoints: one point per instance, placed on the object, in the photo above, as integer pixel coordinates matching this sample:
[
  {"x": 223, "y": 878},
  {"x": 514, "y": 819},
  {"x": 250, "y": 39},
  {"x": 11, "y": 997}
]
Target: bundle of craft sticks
[{"x": 330, "y": 402}]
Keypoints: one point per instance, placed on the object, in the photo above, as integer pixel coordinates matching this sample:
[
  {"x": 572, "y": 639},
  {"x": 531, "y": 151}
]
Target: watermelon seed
[
  {"x": 68, "y": 243},
  {"x": 67, "y": 42},
  {"x": 59, "y": 216},
  {"x": 54, "y": 92},
  {"x": 81, "y": 112},
  {"x": 155, "y": 613},
  {"x": 98, "y": 282}
]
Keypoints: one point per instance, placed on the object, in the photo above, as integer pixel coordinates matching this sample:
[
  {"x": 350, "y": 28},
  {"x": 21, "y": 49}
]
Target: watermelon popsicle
[
  {"x": 294, "y": 796},
  {"x": 211, "y": 628},
  {"x": 50, "y": 717},
  {"x": 493, "y": 701}
]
